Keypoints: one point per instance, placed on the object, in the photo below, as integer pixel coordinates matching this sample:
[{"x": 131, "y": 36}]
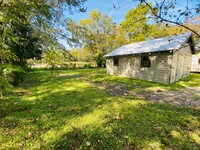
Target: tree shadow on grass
[
  {"x": 48, "y": 115},
  {"x": 80, "y": 116},
  {"x": 141, "y": 126}
]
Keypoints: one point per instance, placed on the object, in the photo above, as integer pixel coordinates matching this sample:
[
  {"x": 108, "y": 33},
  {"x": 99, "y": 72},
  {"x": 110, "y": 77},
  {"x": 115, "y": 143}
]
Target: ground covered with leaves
[{"x": 88, "y": 109}]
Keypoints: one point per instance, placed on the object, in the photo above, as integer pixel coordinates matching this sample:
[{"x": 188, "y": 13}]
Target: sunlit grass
[{"x": 66, "y": 111}]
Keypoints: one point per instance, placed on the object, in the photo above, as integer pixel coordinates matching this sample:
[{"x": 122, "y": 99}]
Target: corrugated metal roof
[{"x": 156, "y": 45}]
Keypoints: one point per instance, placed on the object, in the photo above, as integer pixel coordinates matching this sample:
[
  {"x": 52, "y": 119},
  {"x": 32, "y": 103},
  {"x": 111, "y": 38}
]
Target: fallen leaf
[{"x": 88, "y": 143}]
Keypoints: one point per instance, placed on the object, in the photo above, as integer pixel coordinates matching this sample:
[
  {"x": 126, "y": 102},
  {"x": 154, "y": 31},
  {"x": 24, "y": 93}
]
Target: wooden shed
[
  {"x": 164, "y": 60},
  {"x": 196, "y": 60}
]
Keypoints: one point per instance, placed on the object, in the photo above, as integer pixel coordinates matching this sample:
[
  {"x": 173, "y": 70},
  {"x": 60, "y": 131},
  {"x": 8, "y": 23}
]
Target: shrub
[
  {"x": 9, "y": 75},
  {"x": 87, "y": 66},
  {"x": 5, "y": 85}
]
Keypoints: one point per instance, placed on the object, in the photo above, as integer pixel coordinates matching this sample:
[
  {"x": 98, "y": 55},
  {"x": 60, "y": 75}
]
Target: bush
[
  {"x": 10, "y": 75},
  {"x": 100, "y": 60},
  {"x": 87, "y": 66},
  {"x": 5, "y": 85}
]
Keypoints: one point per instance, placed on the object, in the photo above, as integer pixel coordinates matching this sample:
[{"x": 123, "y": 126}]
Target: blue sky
[{"x": 106, "y": 7}]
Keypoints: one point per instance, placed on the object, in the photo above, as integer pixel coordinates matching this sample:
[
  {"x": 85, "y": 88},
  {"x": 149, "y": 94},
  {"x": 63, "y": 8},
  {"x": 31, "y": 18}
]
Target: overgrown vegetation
[
  {"x": 26, "y": 30},
  {"x": 86, "y": 108},
  {"x": 71, "y": 110}
]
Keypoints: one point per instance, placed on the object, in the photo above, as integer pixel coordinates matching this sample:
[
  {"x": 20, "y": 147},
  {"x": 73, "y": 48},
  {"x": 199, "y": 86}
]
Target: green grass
[{"x": 68, "y": 112}]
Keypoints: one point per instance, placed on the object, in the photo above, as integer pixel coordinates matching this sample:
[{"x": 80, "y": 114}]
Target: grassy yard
[{"x": 77, "y": 109}]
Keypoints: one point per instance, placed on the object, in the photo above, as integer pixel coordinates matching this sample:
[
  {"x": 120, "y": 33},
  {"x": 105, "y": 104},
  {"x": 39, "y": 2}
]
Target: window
[
  {"x": 116, "y": 61},
  {"x": 145, "y": 62},
  {"x": 199, "y": 61}
]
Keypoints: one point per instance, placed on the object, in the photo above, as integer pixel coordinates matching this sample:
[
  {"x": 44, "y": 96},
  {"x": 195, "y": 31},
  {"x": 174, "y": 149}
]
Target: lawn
[{"x": 88, "y": 109}]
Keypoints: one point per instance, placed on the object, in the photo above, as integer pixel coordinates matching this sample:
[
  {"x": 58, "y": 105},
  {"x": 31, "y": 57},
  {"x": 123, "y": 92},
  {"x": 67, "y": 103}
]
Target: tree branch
[{"x": 170, "y": 21}]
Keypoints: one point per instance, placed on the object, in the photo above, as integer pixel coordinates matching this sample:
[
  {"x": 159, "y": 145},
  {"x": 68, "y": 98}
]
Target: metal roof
[{"x": 162, "y": 44}]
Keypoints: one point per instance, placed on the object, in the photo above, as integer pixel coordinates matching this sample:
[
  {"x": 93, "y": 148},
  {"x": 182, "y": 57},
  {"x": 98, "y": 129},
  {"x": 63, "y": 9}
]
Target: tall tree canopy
[
  {"x": 136, "y": 24},
  {"x": 138, "y": 27},
  {"x": 26, "y": 24},
  {"x": 26, "y": 28},
  {"x": 96, "y": 33}
]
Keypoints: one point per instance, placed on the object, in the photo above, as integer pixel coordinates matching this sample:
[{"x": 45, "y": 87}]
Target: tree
[
  {"x": 26, "y": 28},
  {"x": 138, "y": 27},
  {"x": 136, "y": 24},
  {"x": 96, "y": 33},
  {"x": 193, "y": 24},
  {"x": 53, "y": 58},
  {"x": 158, "y": 30},
  {"x": 27, "y": 20}
]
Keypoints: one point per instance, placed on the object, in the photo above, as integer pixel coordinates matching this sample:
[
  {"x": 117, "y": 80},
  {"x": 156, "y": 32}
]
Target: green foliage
[
  {"x": 62, "y": 59},
  {"x": 53, "y": 58},
  {"x": 100, "y": 60},
  {"x": 82, "y": 54},
  {"x": 158, "y": 31},
  {"x": 7, "y": 56},
  {"x": 137, "y": 25},
  {"x": 5, "y": 85},
  {"x": 96, "y": 34},
  {"x": 10, "y": 75},
  {"x": 27, "y": 27}
]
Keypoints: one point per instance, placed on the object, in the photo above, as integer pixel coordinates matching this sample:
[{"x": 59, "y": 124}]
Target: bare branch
[{"x": 170, "y": 21}]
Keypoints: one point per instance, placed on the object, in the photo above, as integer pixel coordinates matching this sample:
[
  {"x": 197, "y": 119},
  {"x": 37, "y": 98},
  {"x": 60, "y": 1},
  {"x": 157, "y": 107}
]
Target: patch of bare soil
[
  {"x": 113, "y": 90},
  {"x": 189, "y": 97}
]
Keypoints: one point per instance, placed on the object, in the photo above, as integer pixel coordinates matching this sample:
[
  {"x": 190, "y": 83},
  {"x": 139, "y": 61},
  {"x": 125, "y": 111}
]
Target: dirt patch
[
  {"x": 189, "y": 97},
  {"x": 114, "y": 90}
]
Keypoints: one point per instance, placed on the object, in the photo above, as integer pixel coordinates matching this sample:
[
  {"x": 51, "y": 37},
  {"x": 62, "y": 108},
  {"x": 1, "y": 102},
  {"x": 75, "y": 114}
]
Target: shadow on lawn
[
  {"x": 47, "y": 114},
  {"x": 137, "y": 127},
  {"x": 66, "y": 113}
]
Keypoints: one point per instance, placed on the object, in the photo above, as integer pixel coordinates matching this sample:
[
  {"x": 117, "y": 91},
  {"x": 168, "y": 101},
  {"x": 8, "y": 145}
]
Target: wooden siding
[
  {"x": 181, "y": 64},
  {"x": 130, "y": 66}
]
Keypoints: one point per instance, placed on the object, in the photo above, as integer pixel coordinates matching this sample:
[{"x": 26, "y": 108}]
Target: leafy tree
[
  {"x": 96, "y": 33},
  {"x": 137, "y": 25},
  {"x": 158, "y": 30},
  {"x": 53, "y": 58},
  {"x": 25, "y": 44},
  {"x": 24, "y": 23},
  {"x": 26, "y": 28}
]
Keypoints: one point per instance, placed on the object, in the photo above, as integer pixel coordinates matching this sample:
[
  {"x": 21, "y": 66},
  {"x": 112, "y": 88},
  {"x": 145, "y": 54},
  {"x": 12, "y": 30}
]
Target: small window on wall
[
  {"x": 199, "y": 61},
  {"x": 145, "y": 62},
  {"x": 116, "y": 61}
]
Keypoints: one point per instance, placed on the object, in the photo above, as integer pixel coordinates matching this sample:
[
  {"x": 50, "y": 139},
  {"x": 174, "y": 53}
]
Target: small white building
[
  {"x": 196, "y": 59},
  {"x": 164, "y": 60}
]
